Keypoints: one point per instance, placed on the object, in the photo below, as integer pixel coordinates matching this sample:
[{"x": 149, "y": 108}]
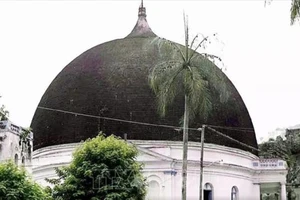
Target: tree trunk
[
  {"x": 185, "y": 147},
  {"x": 185, "y": 119}
]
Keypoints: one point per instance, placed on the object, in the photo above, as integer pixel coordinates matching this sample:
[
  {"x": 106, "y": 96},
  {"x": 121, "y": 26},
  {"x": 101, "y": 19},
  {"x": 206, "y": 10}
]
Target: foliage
[
  {"x": 287, "y": 150},
  {"x": 25, "y": 140},
  {"x": 4, "y": 114},
  {"x": 15, "y": 185},
  {"x": 25, "y": 133},
  {"x": 295, "y": 10},
  {"x": 101, "y": 169},
  {"x": 187, "y": 74}
]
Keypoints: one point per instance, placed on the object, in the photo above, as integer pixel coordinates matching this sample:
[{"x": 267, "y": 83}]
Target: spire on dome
[
  {"x": 141, "y": 28},
  {"x": 142, "y": 10}
]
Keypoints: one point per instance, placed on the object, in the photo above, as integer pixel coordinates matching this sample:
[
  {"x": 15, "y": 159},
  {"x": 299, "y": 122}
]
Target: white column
[
  {"x": 283, "y": 191},
  {"x": 173, "y": 186},
  {"x": 256, "y": 191}
]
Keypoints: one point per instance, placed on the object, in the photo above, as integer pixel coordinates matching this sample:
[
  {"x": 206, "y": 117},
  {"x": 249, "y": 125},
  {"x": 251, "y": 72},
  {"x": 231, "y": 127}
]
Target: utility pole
[
  {"x": 185, "y": 149},
  {"x": 201, "y": 162}
]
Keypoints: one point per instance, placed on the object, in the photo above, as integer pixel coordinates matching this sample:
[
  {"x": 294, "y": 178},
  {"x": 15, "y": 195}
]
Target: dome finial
[
  {"x": 141, "y": 28},
  {"x": 142, "y": 10}
]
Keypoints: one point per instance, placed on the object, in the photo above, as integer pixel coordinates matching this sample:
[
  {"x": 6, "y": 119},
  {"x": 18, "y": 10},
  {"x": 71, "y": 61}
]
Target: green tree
[
  {"x": 15, "y": 185},
  {"x": 101, "y": 169},
  {"x": 3, "y": 113},
  {"x": 186, "y": 75},
  {"x": 295, "y": 10},
  {"x": 287, "y": 150}
]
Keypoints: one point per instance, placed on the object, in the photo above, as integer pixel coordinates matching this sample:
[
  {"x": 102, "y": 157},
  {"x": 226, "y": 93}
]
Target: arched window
[
  {"x": 234, "y": 193},
  {"x": 153, "y": 190},
  {"x": 208, "y": 191},
  {"x": 23, "y": 160},
  {"x": 16, "y": 159}
]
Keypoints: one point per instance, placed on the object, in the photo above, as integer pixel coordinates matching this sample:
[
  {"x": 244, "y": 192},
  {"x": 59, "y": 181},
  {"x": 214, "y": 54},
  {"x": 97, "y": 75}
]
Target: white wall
[
  {"x": 163, "y": 169},
  {"x": 10, "y": 147}
]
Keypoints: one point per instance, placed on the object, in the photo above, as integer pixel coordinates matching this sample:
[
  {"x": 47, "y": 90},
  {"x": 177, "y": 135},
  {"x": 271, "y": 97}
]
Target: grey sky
[{"x": 260, "y": 49}]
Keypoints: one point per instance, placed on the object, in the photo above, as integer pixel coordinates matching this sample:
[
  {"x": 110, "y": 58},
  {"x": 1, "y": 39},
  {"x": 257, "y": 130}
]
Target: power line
[
  {"x": 228, "y": 137},
  {"x": 140, "y": 123},
  {"x": 155, "y": 125},
  {"x": 112, "y": 119},
  {"x": 233, "y": 128}
]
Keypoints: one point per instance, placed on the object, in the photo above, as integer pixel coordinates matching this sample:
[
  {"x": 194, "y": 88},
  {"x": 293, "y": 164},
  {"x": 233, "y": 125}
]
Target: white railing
[
  {"x": 9, "y": 126},
  {"x": 269, "y": 163}
]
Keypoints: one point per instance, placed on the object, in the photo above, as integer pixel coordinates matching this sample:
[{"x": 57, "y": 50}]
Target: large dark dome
[{"x": 111, "y": 80}]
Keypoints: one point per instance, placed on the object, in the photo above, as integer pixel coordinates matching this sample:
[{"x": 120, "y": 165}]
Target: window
[
  {"x": 208, "y": 191},
  {"x": 16, "y": 159},
  {"x": 23, "y": 160},
  {"x": 153, "y": 190},
  {"x": 234, "y": 193}
]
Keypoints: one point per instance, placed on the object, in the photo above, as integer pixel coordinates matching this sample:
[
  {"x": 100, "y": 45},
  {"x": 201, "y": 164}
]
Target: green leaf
[
  {"x": 102, "y": 168},
  {"x": 14, "y": 184}
]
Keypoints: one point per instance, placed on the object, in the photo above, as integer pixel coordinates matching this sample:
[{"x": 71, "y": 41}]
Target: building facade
[
  {"x": 15, "y": 145},
  {"x": 228, "y": 173},
  {"x": 107, "y": 89}
]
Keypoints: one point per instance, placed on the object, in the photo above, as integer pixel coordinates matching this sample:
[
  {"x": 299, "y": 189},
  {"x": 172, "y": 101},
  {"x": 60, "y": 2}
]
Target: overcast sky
[{"x": 258, "y": 46}]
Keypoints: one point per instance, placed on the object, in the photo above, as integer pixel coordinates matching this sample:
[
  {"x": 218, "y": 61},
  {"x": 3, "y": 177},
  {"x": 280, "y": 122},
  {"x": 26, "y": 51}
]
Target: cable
[
  {"x": 149, "y": 124},
  {"x": 222, "y": 134},
  {"x": 136, "y": 122},
  {"x": 233, "y": 128},
  {"x": 112, "y": 119}
]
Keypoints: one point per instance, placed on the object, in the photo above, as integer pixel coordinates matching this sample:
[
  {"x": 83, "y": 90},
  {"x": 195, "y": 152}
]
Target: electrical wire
[
  {"x": 228, "y": 137},
  {"x": 233, "y": 128},
  {"x": 140, "y": 123},
  {"x": 156, "y": 125},
  {"x": 112, "y": 119}
]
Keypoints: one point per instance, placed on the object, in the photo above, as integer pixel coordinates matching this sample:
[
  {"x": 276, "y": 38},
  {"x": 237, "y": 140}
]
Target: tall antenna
[{"x": 142, "y": 5}]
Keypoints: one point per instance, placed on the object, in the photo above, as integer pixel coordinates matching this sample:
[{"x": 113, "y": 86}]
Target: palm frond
[
  {"x": 213, "y": 75},
  {"x": 211, "y": 57},
  {"x": 164, "y": 82},
  {"x": 198, "y": 46},
  {"x": 162, "y": 71},
  {"x": 161, "y": 67},
  {"x": 193, "y": 41},
  {"x": 177, "y": 48},
  {"x": 179, "y": 51},
  {"x": 198, "y": 93},
  {"x": 295, "y": 11}
]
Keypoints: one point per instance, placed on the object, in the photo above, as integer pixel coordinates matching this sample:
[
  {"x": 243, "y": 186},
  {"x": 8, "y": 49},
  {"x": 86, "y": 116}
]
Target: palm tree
[{"x": 171, "y": 77}]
